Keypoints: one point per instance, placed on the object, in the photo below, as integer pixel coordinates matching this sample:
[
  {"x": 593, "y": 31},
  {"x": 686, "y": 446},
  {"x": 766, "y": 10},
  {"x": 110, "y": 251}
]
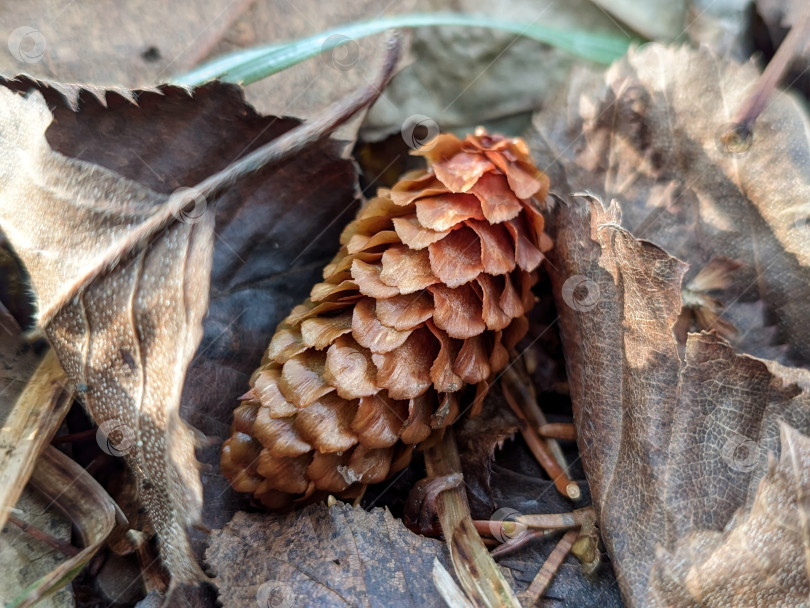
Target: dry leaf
[
  {"x": 674, "y": 436},
  {"x": 646, "y": 133},
  {"x": 121, "y": 275},
  {"x": 78, "y": 43},
  {"x": 465, "y": 77},
  {"x": 658, "y": 437},
  {"x": 760, "y": 559},
  {"x": 274, "y": 230},
  {"x": 324, "y": 556},
  {"x": 125, "y": 339},
  {"x": 669, "y": 446}
]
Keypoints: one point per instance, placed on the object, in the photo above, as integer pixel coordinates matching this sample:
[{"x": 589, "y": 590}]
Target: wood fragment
[
  {"x": 29, "y": 427},
  {"x": 474, "y": 567}
]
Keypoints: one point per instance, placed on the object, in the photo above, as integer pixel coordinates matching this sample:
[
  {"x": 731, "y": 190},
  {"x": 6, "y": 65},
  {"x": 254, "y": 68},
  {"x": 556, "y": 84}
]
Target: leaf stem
[{"x": 741, "y": 129}]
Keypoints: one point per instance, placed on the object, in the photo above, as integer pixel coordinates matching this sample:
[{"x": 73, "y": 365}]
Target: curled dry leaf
[
  {"x": 669, "y": 446},
  {"x": 647, "y": 134},
  {"x": 324, "y": 556},
  {"x": 674, "y": 437},
  {"x": 128, "y": 336}
]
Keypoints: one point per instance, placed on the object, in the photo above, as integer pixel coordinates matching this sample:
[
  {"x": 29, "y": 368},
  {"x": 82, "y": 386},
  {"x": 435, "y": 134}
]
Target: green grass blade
[{"x": 251, "y": 65}]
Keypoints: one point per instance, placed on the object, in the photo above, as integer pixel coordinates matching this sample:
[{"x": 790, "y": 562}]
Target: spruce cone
[{"x": 427, "y": 295}]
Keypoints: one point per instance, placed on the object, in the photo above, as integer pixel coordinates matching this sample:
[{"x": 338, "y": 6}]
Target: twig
[
  {"x": 475, "y": 569},
  {"x": 550, "y": 567},
  {"x": 44, "y": 537},
  {"x": 511, "y": 386}
]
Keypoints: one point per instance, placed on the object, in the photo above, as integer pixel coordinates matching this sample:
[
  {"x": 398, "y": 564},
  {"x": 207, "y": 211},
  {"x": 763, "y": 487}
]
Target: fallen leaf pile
[
  {"x": 675, "y": 437},
  {"x": 679, "y": 277}
]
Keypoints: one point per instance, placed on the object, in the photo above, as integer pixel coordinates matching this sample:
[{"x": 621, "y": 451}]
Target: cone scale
[{"x": 414, "y": 318}]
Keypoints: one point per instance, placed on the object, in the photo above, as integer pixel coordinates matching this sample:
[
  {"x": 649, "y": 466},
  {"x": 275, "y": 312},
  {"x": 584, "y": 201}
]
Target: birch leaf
[{"x": 125, "y": 338}]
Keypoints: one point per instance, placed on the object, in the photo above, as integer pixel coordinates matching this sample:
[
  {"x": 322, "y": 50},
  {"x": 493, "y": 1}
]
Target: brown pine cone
[{"x": 427, "y": 295}]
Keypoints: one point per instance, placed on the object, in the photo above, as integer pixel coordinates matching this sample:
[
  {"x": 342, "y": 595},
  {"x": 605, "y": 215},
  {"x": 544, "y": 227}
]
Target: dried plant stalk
[
  {"x": 426, "y": 297},
  {"x": 474, "y": 567},
  {"x": 70, "y": 488},
  {"x": 29, "y": 427}
]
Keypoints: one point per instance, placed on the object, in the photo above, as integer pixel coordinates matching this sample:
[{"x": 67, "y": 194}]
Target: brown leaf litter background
[
  {"x": 674, "y": 433},
  {"x": 660, "y": 432}
]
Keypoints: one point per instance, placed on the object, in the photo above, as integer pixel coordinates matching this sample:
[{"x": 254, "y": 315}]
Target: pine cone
[{"x": 427, "y": 295}]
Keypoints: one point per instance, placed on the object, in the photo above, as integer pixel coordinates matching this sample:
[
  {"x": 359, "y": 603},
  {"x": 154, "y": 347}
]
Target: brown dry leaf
[
  {"x": 674, "y": 436},
  {"x": 266, "y": 255},
  {"x": 324, "y": 556},
  {"x": 464, "y": 77},
  {"x": 646, "y": 133},
  {"x": 669, "y": 446},
  {"x": 274, "y": 232},
  {"x": 760, "y": 559},
  {"x": 129, "y": 44},
  {"x": 126, "y": 337}
]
